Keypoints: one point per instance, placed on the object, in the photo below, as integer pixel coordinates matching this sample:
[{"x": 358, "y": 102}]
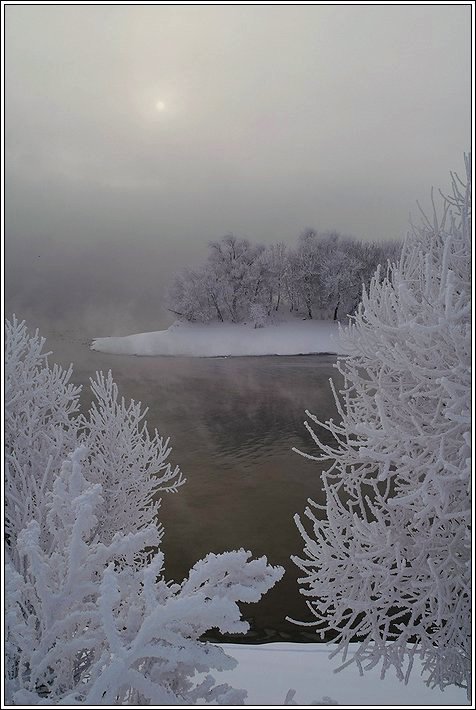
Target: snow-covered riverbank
[
  {"x": 295, "y": 337},
  {"x": 269, "y": 671}
]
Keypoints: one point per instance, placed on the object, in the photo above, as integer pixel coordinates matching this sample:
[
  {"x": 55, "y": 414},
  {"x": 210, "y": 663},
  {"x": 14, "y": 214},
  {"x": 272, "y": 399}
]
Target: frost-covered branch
[
  {"x": 388, "y": 559},
  {"x": 130, "y": 465},
  {"x": 40, "y": 425}
]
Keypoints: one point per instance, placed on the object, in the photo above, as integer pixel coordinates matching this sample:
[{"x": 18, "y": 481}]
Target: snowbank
[
  {"x": 297, "y": 337},
  {"x": 268, "y": 671}
]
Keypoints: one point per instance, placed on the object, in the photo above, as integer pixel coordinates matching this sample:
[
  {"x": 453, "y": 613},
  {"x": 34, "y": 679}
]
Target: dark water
[{"x": 232, "y": 424}]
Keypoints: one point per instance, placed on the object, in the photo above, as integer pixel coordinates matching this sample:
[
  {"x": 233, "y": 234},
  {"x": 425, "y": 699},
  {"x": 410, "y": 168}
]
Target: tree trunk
[
  {"x": 336, "y": 309},
  {"x": 214, "y": 301}
]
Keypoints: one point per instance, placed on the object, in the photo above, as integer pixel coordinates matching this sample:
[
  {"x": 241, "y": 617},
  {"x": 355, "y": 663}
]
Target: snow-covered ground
[
  {"x": 295, "y": 337},
  {"x": 269, "y": 671}
]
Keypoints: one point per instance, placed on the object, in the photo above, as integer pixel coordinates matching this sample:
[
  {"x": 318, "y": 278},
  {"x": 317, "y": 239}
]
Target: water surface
[{"x": 232, "y": 423}]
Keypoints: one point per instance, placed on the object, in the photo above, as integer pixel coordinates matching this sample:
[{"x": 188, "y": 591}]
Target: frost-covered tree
[
  {"x": 82, "y": 630},
  {"x": 89, "y": 617},
  {"x": 42, "y": 428},
  {"x": 237, "y": 268},
  {"x": 291, "y": 282},
  {"x": 307, "y": 271},
  {"x": 325, "y": 270},
  {"x": 234, "y": 277},
  {"x": 40, "y": 409},
  {"x": 363, "y": 260},
  {"x": 258, "y": 315},
  {"x": 322, "y": 277},
  {"x": 276, "y": 257},
  {"x": 193, "y": 297},
  {"x": 330, "y": 270},
  {"x": 131, "y": 466},
  {"x": 387, "y": 558},
  {"x": 335, "y": 274}
]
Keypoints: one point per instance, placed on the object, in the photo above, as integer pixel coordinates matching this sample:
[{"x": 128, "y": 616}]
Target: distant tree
[
  {"x": 337, "y": 267},
  {"x": 324, "y": 266},
  {"x": 193, "y": 296},
  {"x": 387, "y": 558},
  {"x": 341, "y": 268},
  {"x": 278, "y": 266},
  {"x": 239, "y": 272},
  {"x": 258, "y": 315},
  {"x": 236, "y": 275},
  {"x": 323, "y": 275},
  {"x": 89, "y": 617},
  {"x": 307, "y": 270},
  {"x": 365, "y": 258},
  {"x": 291, "y": 284}
]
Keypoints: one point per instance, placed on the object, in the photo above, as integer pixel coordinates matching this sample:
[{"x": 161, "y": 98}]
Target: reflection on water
[{"x": 232, "y": 424}]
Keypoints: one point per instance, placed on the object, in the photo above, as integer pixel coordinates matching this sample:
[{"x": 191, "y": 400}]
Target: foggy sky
[{"x": 274, "y": 118}]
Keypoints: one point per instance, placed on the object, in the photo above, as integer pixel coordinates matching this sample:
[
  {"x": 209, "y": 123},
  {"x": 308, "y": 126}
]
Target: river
[{"x": 233, "y": 423}]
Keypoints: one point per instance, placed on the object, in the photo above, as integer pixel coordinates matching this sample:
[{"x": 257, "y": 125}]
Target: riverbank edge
[{"x": 220, "y": 340}]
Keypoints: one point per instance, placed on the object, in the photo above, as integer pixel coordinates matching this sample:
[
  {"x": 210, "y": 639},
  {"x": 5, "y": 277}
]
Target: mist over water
[
  {"x": 89, "y": 289},
  {"x": 232, "y": 424}
]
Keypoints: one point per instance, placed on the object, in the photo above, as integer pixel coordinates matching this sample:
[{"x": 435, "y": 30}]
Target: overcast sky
[{"x": 134, "y": 135}]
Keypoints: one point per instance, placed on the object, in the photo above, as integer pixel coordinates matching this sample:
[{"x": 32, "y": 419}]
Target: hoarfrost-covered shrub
[
  {"x": 131, "y": 466},
  {"x": 387, "y": 559},
  {"x": 40, "y": 426},
  {"x": 89, "y": 617}
]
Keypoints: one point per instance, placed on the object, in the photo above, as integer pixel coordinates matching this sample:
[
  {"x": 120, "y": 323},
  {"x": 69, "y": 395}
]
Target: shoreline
[
  {"x": 222, "y": 340},
  {"x": 217, "y": 357}
]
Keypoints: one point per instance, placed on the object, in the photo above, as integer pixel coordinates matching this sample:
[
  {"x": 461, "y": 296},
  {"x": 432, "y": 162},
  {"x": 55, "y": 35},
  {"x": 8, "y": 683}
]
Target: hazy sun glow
[{"x": 160, "y": 106}]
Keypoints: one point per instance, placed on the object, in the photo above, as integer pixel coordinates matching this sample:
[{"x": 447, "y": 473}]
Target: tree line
[{"x": 322, "y": 277}]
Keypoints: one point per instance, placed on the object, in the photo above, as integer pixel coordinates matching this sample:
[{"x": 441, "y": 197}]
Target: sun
[{"x": 160, "y": 106}]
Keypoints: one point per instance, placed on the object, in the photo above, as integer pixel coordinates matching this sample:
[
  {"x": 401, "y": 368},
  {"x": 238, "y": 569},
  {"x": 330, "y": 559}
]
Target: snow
[
  {"x": 295, "y": 337},
  {"x": 269, "y": 671}
]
